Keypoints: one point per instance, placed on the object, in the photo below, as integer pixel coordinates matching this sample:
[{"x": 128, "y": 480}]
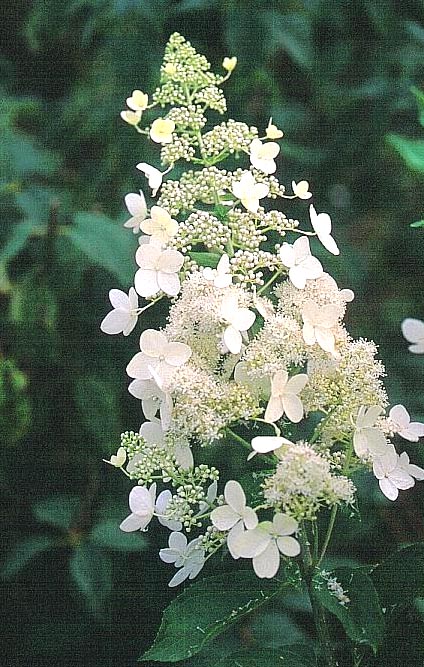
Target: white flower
[
  {"x": 303, "y": 266},
  {"x": 263, "y": 444},
  {"x": 301, "y": 189},
  {"x": 390, "y": 473},
  {"x": 158, "y": 270},
  {"x": 229, "y": 63},
  {"x": 160, "y": 225},
  {"x": 152, "y": 399},
  {"x": 154, "y": 175},
  {"x": 412, "y": 470},
  {"x": 158, "y": 357},
  {"x": 413, "y": 331},
  {"x": 161, "y": 506},
  {"x": 249, "y": 192},
  {"x": 272, "y": 131},
  {"x": 210, "y": 498},
  {"x": 189, "y": 557},
  {"x": 238, "y": 320},
  {"x": 321, "y": 222},
  {"x": 183, "y": 455},
  {"x": 161, "y": 130},
  {"x": 318, "y": 322},
  {"x": 136, "y": 205},
  {"x": 117, "y": 460},
  {"x": 131, "y": 117},
  {"x": 235, "y": 515},
  {"x": 284, "y": 398},
  {"x": 124, "y": 315},
  {"x": 262, "y": 155},
  {"x": 138, "y": 101},
  {"x": 221, "y": 276},
  {"x": 367, "y": 439},
  {"x": 142, "y": 506},
  {"x": 401, "y": 423},
  {"x": 265, "y": 543}
]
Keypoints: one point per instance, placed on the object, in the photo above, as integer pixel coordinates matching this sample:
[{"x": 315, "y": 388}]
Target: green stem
[
  {"x": 328, "y": 534},
  {"x": 270, "y": 282},
  {"x": 239, "y": 439},
  {"x": 307, "y": 569}
]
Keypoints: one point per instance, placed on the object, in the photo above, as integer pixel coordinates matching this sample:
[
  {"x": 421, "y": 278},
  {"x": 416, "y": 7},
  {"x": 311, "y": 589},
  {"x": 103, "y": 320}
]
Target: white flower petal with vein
[
  {"x": 249, "y": 192},
  {"x": 284, "y": 399},
  {"x": 123, "y": 318},
  {"x": 142, "y": 506},
  {"x": 262, "y": 155},
  {"x": 160, "y": 225},
  {"x": 301, "y": 189},
  {"x": 158, "y": 270},
  {"x": 321, "y": 222},
  {"x": 136, "y": 205},
  {"x": 158, "y": 359},
  {"x": 301, "y": 264},
  {"x": 220, "y": 276},
  {"x": 401, "y": 423},
  {"x": 238, "y": 319},
  {"x": 153, "y": 175},
  {"x": 369, "y": 440},
  {"x": 413, "y": 331}
]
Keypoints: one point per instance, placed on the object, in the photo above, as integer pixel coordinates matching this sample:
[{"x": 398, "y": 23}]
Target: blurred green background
[{"x": 336, "y": 76}]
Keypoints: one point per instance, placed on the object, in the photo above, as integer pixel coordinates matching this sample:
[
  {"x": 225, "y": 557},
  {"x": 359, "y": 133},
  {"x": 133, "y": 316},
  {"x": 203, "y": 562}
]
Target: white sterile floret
[
  {"x": 158, "y": 358},
  {"x": 249, "y": 192},
  {"x": 124, "y": 315},
  {"x": 221, "y": 276},
  {"x": 390, "y": 474},
  {"x": 117, "y": 460},
  {"x": 319, "y": 323},
  {"x": 235, "y": 515},
  {"x": 153, "y": 175},
  {"x": 161, "y": 130},
  {"x": 160, "y": 225},
  {"x": 284, "y": 397},
  {"x": 131, "y": 117},
  {"x": 152, "y": 399},
  {"x": 142, "y": 506},
  {"x": 368, "y": 440},
  {"x": 413, "y": 470},
  {"x": 238, "y": 320},
  {"x": 321, "y": 222},
  {"x": 400, "y": 422},
  {"x": 189, "y": 557},
  {"x": 272, "y": 131},
  {"x": 158, "y": 270},
  {"x": 301, "y": 264},
  {"x": 263, "y": 444},
  {"x": 413, "y": 331},
  {"x": 136, "y": 205},
  {"x": 262, "y": 155},
  {"x": 301, "y": 189},
  {"x": 138, "y": 100},
  {"x": 265, "y": 543},
  {"x": 162, "y": 502}
]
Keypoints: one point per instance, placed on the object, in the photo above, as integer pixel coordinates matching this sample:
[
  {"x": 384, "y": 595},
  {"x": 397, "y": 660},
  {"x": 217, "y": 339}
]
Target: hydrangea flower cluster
[{"x": 254, "y": 338}]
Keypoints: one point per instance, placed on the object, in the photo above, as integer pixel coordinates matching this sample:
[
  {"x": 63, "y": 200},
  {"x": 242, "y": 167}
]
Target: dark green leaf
[
  {"x": 208, "y": 608},
  {"x": 17, "y": 241},
  {"x": 58, "y": 511},
  {"x": 105, "y": 243},
  {"x": 419, "y": 95},
  {"x": 107, "y": 534},
  {"x": 361, "y": 617},
  {"x": 97, "y": 402},
  {"x": 400, "y": 578},
  {"x": 286, "y": 656},
  {"x": 91, "y": 570},
  {"x": 23, "y": 553},
  {"x": 411, "y": 150}
]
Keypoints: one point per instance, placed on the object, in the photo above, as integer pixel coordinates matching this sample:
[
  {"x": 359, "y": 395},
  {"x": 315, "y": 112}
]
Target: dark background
[{"x": 336, "y": 76}]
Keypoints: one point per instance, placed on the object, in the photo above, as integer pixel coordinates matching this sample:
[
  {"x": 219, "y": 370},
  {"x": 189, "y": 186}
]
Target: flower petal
[
  {"x": 133, "y": 522},
  {"x": 413, "y": 330},
  {"x": 169, "y": 283},
  {"x": 114, "y": 322},
  {"x": 140, "y": 501},
  {"x": 232, "y": 339},
  {"x": 235, "y": 497},
  {"x": 176, "y": 354},
  {"x": 266, "y": 564},
  {"x": 224, "y": 517},
  {"x": 153, "y": 342},
  {"x": 146, "y": 282},
  {"x": 288, "y": 546}
]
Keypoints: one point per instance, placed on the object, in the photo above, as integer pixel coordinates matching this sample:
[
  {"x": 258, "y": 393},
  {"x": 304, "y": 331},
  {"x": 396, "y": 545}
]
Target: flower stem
[
  {"x": 308, "y": 569},
  {"x": 328, "y": 534}
]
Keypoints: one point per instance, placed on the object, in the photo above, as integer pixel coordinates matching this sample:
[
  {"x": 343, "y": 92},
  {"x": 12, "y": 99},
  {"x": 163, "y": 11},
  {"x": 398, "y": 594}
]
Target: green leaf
[
  {"x": 58, "y": 511},
  {"x": 105, "y": 243},
  {"x": 208, "y": 608},
  {"x": 293, "y": 33},
  {"x": 400, "y": 578},
  {"x": 205, "y": 258},
  {"x": 362, "y": 617},
  {"x": 107, "y": 534},
  {"x": 23, "y": 552},
  {"x": 419, "y": 95},
  {"x": 91, "y": 570},
  {"x": 286, "y": 656},
  {"x": 98, "y": 406},
  {"x": 419, "y": 223},
  {"x": 411, "y": 150},
  {"x": 17, "y": 241}
]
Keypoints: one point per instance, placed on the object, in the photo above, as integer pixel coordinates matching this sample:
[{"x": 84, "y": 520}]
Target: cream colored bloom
[
  {"x": 117, "y": 460},
  {"x": 158, "y": 270},
  {"x": 301, "y": 189},
  {"x": 131, "y": 117},
  {"x": 319, "y": 323},
  {"x": 153, "y": 175},
  {"x": 220, "y": 276},
  {"x": 301, "y": 264},
  {"x": 160, "y": 225},
  {"x": 158, "y": 358},
  {"x": 368, "y": 440},
  {"x": 321, "y": 222},
  {"x": 284, "y": 397},
  {"x": 262, "y": 155},
  {"x": 170, "y": 69},
  {"x": 229, "y": 63},
  {"x": 272, "y": 131},
  {"x": 136, "y": 205},
  {"x": 138, "y": 101},
  {"x": 235, "y": 515},
  {"x": 413, "y": 331},
  {"x": 123, "y": 317},
  {"x": 238, "y": 319},
  {"x": 249, "y": 192},
  {"x": 161, "y": 130}
]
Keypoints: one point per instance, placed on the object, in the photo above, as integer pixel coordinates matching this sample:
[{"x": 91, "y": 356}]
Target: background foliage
[{"x": 336, "y": 75}]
